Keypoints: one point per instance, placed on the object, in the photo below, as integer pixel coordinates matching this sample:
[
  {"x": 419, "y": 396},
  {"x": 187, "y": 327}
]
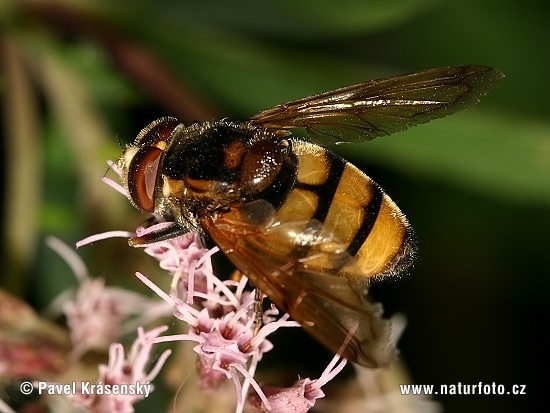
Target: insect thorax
[{"x": 213, "y": 166}]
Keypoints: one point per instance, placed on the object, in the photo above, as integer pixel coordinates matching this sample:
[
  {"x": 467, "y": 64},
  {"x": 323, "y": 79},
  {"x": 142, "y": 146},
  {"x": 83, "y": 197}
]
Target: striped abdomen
[{"x": 351, "y": 206}]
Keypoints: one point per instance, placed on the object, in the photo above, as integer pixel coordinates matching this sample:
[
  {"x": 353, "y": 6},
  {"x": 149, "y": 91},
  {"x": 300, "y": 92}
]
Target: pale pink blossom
[
  {"x": 221, "y": 321},
  {"x": 130, "y": 370},
  {"x": 228, "y": 345},
  {"x": 98, "y": 314},
  {"x": 300, "y": 397},
  {"x": 186, "y": 260}
]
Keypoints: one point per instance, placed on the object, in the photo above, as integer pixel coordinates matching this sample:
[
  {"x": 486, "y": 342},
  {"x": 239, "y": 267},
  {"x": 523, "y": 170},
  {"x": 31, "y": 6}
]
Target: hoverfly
[{"x": 308, "y": 228}]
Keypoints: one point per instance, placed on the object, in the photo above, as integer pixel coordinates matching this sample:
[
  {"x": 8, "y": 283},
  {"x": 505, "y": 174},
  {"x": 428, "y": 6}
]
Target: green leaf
[{"x": 303, "y": 20}]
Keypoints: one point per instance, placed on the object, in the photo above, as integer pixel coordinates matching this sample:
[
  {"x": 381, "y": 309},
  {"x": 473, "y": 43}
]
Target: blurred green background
[{"x": 79, "y": 75}]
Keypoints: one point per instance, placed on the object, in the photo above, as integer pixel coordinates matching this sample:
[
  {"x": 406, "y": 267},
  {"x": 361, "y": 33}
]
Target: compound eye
[
  {"x": 142, "y": 177},
  {"x": 156, "y": 132}
]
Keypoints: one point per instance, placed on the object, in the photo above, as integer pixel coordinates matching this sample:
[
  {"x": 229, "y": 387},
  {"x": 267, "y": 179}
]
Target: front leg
[{"x": 162, "y": 234}]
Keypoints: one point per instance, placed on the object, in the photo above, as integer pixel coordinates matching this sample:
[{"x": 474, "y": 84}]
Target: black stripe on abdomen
[
  {"x": 372, "y": 209},
  {"x": 325, "y": 194}
]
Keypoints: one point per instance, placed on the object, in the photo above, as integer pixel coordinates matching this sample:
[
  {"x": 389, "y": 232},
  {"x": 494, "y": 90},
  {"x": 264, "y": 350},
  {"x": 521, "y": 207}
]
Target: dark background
[{"x": 79, "y": 75}]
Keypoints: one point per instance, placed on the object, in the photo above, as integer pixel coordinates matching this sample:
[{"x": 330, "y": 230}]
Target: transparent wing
[
  {"x": 327, "y": 304},
  {"x": 380, "y": 107}
]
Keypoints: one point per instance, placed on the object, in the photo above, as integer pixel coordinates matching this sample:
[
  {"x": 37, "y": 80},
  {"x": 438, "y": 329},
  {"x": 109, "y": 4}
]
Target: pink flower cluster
[
  {"x": 97, "y": 314},
  {"x": 122, "y": 371},
  {"x": 222, "y": 320}
]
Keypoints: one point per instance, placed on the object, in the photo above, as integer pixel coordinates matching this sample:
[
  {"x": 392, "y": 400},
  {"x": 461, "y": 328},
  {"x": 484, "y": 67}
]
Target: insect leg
[
  {"x": 161, "y": 234},
  {"x": 258, "y": 310}
]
